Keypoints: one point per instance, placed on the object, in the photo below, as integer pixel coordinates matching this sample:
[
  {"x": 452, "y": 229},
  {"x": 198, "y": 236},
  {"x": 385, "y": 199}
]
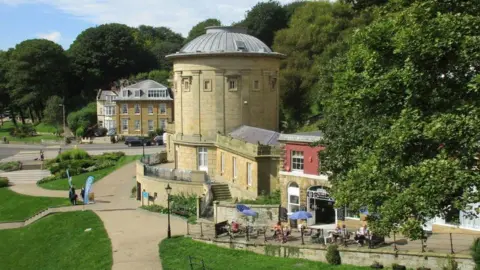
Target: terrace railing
[{"x": 168, "y": 174}]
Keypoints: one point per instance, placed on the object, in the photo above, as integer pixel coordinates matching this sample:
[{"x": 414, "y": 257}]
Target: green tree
[
  {"x": 104, "y": 53},
  {"x": 52, "y": 113},
  {"x": 199, "y": 29},
  {"x": 36, "y": 70},
  {"x": 402, "y": 123},
  {"x": 364, "y": 4},
  {"x": 160, "y": 76},
  {"x": 264, "y": 19},
  {"x": 83, "y": 118},
  {"x": 314, "y": 38}
]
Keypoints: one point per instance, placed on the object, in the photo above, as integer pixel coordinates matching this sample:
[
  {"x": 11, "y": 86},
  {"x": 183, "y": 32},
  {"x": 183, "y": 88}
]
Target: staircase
[
  {"x": 221, "y": 192},
  {"x": 25, "y": 176}
]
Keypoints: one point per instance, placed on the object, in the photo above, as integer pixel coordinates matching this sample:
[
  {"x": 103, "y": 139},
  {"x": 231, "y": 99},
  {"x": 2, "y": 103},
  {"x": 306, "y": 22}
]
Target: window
[
  {"x": 125, "y": 93},
  {"x": 137, "y": 124},
  {"x": 109, "y": 98},
  {"x": 137, "y": 93},
  {"x": 124, "y": 124},
  {"x": 351, "y": 214},
  {"x": 150, "y": 125},
  {"x": 109, "y": 110},
  {"x": 274, "y": 83},
  {"x": 163, "y": 124},
  {"x": 207, "y": 85},
  {"x": 222, "y": 162},
  {"x": 100, "y": 111},
  {"x": 124, "y": 108},
  {"x": 249, "y": 174},
  {"x": 297, "y": 161},
  {"x": 150, "y": 109},
  {"x": 293, "y": 192},
  {"x": 186, "y": 85},
  {"x": 203, "y": 159},
  {"x": 110, "y": 124},
  {"x": 137, "y": 108},
  {"x": 232, "y": 84},
  {"x": 100, "y": 123},
  {"x": 234, "y": 166},
  {"x": 163, "y": 108},
  {"x": 256, "y": 85},
  {"x": 157, "y": 93}
]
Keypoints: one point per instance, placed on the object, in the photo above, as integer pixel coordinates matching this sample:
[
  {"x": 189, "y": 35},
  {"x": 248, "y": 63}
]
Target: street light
[
  {"x": 64, "y": 125},
  {"x": 141, "y": 133},
  {"x": 168, "y": 189}
]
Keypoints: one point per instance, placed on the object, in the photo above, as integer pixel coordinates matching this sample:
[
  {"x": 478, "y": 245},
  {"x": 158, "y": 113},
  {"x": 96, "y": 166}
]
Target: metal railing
[{"x": 168, "y": 174}]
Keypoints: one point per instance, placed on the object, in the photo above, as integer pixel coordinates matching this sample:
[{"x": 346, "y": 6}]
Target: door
[
  {"x": 139, "y": 191},
  {"x": 324, "y": 212},
  {"x": 203, "y": 159}
]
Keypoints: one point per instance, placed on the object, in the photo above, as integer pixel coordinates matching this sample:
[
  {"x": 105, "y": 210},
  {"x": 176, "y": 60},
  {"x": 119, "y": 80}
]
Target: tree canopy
[
  {"x": 199, "y": 29},
  {"x": 402, "y": 123}
]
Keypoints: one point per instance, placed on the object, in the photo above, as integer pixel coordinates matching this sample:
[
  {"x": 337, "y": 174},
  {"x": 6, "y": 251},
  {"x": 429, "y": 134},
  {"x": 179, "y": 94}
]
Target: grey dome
[{"x": 225, "y": 40}]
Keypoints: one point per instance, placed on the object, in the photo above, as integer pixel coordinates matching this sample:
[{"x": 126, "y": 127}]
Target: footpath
[{"x": 135, "y": 233}]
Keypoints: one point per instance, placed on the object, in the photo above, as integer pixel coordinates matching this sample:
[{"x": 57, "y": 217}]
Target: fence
[
  {"x": 168, "y": 174},
  {"x": 440, "y": 243}
]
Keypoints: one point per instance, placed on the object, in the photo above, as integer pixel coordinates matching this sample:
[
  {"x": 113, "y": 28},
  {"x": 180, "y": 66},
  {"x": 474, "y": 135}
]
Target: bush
[
  {"x": 134, "y": 190},
  {"x": 22, "y": 131},
  {"x": 114, "y": 156},
  {"x": 333, "y": 255},
  {"x": 112, "y": 139},
  {"x": 272, "y": 198},
  {"x": 85, "y": 117},
  {"x": 155, "y": 208},
  {"x": 10, "y": 166},
  {"x": 73, "y": 154},
  {"x": 451, "y": 264},
  {"x": 475, "y": 252},
  {"x": 48, "y": 179},
  {"x": 100, "y": 132},
  {"x": 3, "y": 182},
  {"x": 159, "y": 131},
  {"x": 152, "y": 134},
  {"x": 184, "y": 205},
  {"x": 80, "y": 131},
  {"x": 397, "y": 266}
]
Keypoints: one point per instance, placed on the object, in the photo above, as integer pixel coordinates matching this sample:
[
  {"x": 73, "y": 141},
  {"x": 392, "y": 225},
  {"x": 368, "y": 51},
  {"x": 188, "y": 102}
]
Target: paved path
[
  {"x": 25, "y": 176},
  {"x": 134, "y": 233}
]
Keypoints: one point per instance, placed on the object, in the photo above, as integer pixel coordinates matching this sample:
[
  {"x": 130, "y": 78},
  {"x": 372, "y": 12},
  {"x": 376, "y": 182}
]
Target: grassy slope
[
  {"x": 79, "y": 180},
  {"x": 5, "y": 129},
  {"x": 57, "y": 241},
  {"x": 174, "y": 254},
  {"x": 18, "y": 207},
  {"x": 45, "y": 128}
]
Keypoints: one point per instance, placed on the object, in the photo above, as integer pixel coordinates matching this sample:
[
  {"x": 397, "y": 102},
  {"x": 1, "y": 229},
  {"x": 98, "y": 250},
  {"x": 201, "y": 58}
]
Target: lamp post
[
  {"x": 141, "y": 133},
  {"x": 64, "y": 125},
  {"x": 168, "y": 189}
]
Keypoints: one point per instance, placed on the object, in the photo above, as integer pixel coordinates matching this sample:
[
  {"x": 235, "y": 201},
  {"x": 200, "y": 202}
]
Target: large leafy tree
[
  {"x": 363, "y": 4},
  {"x": 402, "y": 124},
  {"x": 199, "y": 28},
  {"x": 315, "y": 36},
  {"x": 102, "y": 54},
  {"x": 36, "y": 70},
  {"x": 52, "y": 113},
  {"x": 264, "y": 19}
]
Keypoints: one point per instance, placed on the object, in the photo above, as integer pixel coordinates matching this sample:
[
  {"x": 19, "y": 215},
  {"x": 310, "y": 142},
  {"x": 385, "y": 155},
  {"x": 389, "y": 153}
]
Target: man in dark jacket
[{"x": 72, "y": 195}]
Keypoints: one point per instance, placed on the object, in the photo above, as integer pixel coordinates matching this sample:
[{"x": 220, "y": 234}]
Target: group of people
[
  {"x": 281, "y": 233},
  {"x": 72, "y": 195}
]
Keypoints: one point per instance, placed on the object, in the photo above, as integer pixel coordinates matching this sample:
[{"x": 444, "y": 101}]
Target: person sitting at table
[
  {"x": 361, "y": 235},
  {"x": 336, "y": 233},
  {"x": 235, "y": 226},
  {"x": 277, "y": 230}
]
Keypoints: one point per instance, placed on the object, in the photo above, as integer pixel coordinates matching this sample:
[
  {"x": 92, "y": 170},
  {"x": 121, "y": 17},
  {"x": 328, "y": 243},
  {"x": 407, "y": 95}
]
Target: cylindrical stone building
[{"x": 222, "y": 80}]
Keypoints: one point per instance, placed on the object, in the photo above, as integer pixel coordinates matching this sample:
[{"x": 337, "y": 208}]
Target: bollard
[
  {"x": 301, "y": 233},
  {"x": 246, "y": 235},
  {"x": 201, "y": 230},
  {"x": 188, "y": 229},
  {"x": 451, "y": 244},
  {"x": 265, "y": 234}
]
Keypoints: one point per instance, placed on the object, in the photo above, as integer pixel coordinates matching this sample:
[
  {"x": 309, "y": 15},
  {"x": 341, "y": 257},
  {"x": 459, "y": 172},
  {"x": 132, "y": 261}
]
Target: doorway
[
  {"x": 321, "y": 205},
  {"x": 139, "y": 191}
]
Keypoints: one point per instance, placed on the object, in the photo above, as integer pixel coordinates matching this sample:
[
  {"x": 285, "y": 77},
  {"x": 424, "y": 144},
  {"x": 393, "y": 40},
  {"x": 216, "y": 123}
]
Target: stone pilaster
[
  {"x": 245, "y": 96},
  {"x": 196, "y": 107},
  {"x": 220, "y": 100}
]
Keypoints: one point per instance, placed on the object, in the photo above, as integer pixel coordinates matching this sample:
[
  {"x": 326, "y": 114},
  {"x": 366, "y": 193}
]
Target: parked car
[
  {"x": 137, "y": 141},
  {"x": 158, "y": 140},
  {"x": 111, "y": 132}
]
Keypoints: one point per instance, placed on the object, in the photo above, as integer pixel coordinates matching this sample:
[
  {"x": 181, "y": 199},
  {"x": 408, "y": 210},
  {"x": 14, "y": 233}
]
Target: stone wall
[
  {"x": 352, "y": 257},
  {"x": 267, "y": 214}
]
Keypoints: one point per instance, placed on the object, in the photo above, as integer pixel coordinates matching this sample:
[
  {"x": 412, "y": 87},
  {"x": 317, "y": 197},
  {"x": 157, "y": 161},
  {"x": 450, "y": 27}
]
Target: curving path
[{"x": 134, "y": 233}]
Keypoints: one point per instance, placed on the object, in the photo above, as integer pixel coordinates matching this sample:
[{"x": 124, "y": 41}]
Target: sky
[{"x": 62, "y": 20}]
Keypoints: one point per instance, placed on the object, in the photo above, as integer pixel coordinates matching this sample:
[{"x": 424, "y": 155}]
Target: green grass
[
  {"x": 18, "y": 207},
  {"x": 58, "y": 241},
  {"x": 174, "y": 254},
  {"x": 45, "y": 128},
  {"x": 79, "y": 180},
  {"x": 5, "y": 131}
]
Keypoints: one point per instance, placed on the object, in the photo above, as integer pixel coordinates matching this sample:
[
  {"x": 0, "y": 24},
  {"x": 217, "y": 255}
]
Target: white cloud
[
  {"x": 54, "y": 36},
  {"x": 179, "y": 15}
]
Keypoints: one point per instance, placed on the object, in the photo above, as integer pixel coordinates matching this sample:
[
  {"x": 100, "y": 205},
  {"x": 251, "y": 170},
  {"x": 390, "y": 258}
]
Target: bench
[{"x": 221, "y": 228}]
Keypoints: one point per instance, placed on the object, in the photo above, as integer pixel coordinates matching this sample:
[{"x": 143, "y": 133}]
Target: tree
[
  {"x": 364, "y": 4},
  {"x": 53, "y": 114},
  {"x": 264, "y": 19},
  {"x": 36, "y": 70},
  {"x": 315, "y": 36},
  {"x": 402, "y": 123},
  {"x": 105, "y": 53},
  {"x": 199, "y": 29},
  {"x": 292, "y": 7},
  {"x": 160, "y": 76},
  {"x": 83, "y": 118}
]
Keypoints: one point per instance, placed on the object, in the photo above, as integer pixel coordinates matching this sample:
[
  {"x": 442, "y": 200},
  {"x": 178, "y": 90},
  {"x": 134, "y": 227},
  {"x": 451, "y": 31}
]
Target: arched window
[{"x": 293, "y": 192}]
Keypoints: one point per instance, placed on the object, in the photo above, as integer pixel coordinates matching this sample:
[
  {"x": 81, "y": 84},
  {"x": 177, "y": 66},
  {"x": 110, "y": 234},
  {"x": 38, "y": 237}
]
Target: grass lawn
[
  {"x": 5, "y": 131},
  {"x": 79, "y": 180},
  {"x": 58, "y": 241},
  {"x": 174, "y": 254},
  {"x": 45, "y": 128},
  {"x": 18, "y": 207}
]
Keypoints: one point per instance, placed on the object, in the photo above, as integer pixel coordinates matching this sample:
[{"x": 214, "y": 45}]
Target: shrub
[
  {"x": 333, "y": 255},
  {"x": 159, "y": 131},
  {"x": 115, "y": 156},
  {"x": 3, "y": 182},
  {"x": 47, "y": 179},
  {"x": 68, "y": 140},
  {"x": 112, "y": 139},
  {"x": 475, "y": 252},
  {"x": 22, "y": 131},
  {"x": 11, "y": 166},
  {"x": 397, "y": 266},
  {"x": 134, "y": 190},
  {"x": 272, "y": 198},
  {"x": 184, "y": 205},
  {"x": 152, "y": 134},
  {"x": 451, "y": 264},
  {"x": 73, "y": 154},
  {"x": 155, "y": 208},
  {"x": 80, "y": 131}
]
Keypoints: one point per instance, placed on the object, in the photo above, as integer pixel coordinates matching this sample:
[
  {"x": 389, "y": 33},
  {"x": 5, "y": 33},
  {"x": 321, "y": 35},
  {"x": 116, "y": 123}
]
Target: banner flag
[
  {"x": 69, "y": 178},
  {"x": 88, "y": 189}
]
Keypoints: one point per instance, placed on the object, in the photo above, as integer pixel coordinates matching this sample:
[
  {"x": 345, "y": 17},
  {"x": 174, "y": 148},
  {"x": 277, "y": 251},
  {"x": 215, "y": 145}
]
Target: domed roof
[{"x": 225, "y": 40}]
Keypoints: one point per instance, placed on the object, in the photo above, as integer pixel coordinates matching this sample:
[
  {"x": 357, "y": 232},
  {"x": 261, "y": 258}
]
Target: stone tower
[{"x": 222, "y": 80}]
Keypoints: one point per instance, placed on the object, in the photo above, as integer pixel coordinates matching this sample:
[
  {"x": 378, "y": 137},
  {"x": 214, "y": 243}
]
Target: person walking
[
  {"x": 72, "y": 195},
  {"x": 82, "y": 193}
]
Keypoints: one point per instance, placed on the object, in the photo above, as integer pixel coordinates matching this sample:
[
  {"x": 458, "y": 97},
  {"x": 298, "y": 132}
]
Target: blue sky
[{"x": 62, "y": 20}]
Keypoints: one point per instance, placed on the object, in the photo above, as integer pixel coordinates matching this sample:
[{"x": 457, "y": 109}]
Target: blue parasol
[
  {"x": 249, "y": 212},
  {"x": 301, "y": 215},
  {"x": 241, "y": 207}
]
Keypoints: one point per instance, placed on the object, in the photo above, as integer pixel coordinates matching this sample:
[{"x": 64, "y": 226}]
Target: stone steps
[
  {"x": 221, "y": 192},
  {"x": 25, "y": 176}
]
